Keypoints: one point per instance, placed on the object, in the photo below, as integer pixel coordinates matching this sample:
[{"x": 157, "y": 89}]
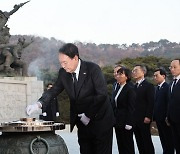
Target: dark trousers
[
  {"x": 176, "y": 136},
  {"x": 124, "y": 140},
  {"x": 49, "y": 117},
  {"x": 166, "y": 137},
  {"x": 143, "y": 138},
  {"x": 92, "y": 143}
]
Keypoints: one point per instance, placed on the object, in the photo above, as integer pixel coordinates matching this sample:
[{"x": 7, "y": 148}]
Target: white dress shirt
[
  {"x": 120, "y": 89},
  {"x": 78, "y": 69}
]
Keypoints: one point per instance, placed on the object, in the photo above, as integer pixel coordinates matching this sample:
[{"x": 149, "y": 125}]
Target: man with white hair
[{"x": 174, "y": 103}]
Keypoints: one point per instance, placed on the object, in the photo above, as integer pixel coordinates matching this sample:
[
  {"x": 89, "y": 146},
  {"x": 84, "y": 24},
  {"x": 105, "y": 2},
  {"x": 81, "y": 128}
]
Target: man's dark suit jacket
[
  {"x": 174, "y": 104},
  {"x": 91, "y": 99},
  {"x": 144, "y": 103},
  {"x": 161, "y": 103},
  {"x": 125, "y": 106}
]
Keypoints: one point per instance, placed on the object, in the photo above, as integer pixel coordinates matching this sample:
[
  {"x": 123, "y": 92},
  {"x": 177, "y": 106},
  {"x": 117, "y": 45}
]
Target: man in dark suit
[
  {"x": 144, "y": 104},
  {"x": 90, "y": 108},
  {"x": 174, "y": 103},
  {"x": 51, "y": 111},
  {"x": 160, "y": 112}
]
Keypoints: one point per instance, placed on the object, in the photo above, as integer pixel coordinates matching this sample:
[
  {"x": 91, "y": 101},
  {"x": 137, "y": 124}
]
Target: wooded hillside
[
  {"x": 42, "y": 59},
  {"x": 43, "y": 52}
]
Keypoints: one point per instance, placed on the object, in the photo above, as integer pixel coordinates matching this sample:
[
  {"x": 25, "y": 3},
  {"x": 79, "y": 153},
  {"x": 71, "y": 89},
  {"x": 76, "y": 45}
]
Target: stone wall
[{"x": 15, "y": 94}]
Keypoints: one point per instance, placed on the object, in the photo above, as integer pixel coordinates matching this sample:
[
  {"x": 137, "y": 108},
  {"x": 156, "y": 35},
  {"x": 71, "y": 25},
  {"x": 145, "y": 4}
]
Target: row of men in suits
[{"x": 134, "y": 113}]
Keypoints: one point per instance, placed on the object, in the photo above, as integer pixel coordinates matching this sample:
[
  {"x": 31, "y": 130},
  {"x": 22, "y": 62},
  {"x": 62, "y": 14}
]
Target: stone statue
[
  {"x": 10, "y": 55},
  {"x": 4, "y": 35},
  {"x": 17, "y": 62},
  {"x": 4, "y": 16}
]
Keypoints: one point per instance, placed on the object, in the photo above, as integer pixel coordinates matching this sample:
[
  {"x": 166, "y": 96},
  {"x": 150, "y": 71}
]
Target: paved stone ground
[{"x": 73, "y": 146}]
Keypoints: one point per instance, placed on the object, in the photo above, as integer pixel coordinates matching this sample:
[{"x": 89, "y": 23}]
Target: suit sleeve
[
  {"x": 112, "y": 97},
  {"x": 100, "y": 92},
  {"x": 54, "y": 91},
  {"x": 43, "y": 109},
  {"x": 131, "y": 106},
  {"x": 150, "y": 101},
  {"x": 57, "y": 104}
]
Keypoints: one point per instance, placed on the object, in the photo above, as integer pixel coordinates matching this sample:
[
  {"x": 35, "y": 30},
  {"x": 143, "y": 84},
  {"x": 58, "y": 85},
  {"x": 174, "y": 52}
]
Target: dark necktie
[
  {"x": 74, "y": 82},
  {"x": 173, "y": 84},
  {"x": 157, "y": 90},
  {"x": 136, "y": 85}
]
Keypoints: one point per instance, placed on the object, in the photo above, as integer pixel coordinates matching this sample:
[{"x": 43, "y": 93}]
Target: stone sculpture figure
[
  {"x": 10, "y": 55},
  {"x": 4, "y": 35},
  {"x": 17, "y": 62},
  {"x": 4, "y": 16}
]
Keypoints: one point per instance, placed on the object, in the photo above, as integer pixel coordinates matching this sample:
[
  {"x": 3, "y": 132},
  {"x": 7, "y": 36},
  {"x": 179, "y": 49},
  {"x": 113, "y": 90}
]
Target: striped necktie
[{"x": 74, "y": 82}]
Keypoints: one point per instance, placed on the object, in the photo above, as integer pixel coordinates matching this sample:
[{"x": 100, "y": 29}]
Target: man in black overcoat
[
  {"x": 90, "y": 108},
  {"x": 174, "y": 103},
  {"x": 144, "y": 104},
  {"x": 160, "y": 111}
]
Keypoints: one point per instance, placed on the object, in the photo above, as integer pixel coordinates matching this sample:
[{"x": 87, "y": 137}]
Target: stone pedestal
[{"x": 15, "y": 94}]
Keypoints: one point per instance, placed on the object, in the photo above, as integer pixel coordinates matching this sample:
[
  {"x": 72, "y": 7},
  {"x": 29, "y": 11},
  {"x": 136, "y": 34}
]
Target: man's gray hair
[{"x": 143, "y": 68}]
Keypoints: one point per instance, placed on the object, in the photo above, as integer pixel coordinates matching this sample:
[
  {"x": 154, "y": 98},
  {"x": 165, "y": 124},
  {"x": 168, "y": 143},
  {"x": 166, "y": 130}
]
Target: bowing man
[{"x": 90, "y": 107}]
